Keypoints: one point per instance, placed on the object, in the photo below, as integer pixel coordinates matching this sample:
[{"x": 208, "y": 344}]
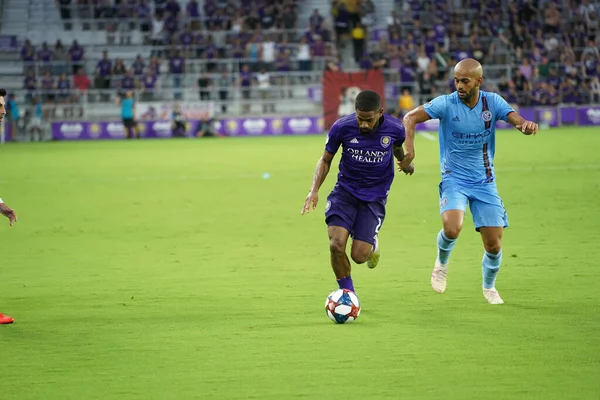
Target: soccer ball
[{"x": 342, "y": 306}]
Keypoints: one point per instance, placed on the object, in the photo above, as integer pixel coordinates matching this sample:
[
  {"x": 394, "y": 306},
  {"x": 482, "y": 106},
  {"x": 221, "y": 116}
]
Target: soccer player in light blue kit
[{"x": 467, "y": 137}]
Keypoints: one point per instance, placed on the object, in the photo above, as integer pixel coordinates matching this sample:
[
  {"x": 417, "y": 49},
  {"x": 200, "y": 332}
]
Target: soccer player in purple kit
[
  {"x": 356, "y": 205},
  {"x": 467, "y": 137}
]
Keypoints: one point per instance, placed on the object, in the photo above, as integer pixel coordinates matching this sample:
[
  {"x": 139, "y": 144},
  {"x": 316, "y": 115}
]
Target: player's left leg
[
  {"x": 492, "y": 258},
  {"x": 365, "y": 243},
  {"x": 490, "y": 219}
]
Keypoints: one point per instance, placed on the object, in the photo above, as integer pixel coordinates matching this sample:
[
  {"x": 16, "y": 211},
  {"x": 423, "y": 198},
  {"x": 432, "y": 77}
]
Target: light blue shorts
[{"x": 483, "y": 200}]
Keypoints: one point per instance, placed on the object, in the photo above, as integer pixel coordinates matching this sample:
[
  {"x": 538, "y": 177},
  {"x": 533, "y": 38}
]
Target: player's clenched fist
[
  {"x": 528, "y": 127},
  {"x": 311, "y": 202}
]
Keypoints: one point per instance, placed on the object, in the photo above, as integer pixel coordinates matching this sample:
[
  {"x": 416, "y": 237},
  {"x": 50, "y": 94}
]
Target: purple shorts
[{"x": 362, "y": 219}]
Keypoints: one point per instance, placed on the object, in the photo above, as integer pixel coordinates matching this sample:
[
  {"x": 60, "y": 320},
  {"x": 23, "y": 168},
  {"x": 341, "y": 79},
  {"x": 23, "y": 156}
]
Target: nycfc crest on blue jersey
[{"x": 486, "y": 116}]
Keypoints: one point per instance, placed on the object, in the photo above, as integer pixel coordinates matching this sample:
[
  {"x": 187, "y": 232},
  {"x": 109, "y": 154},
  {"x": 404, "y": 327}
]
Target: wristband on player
[{"x": 1, "y": 201}]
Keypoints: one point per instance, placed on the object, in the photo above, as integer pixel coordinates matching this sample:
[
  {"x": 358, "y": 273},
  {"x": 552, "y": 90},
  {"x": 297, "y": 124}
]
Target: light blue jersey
[
  {"x": 467, "y": 139},
  {"x": 467, "y": 136},
  {"x": 127, "y": 108}
]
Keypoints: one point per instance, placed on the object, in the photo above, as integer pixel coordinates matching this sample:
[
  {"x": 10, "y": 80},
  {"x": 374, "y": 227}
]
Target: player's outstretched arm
[
  {"x": 8, "y": 213},
  {"x": 526, "y": 127},
  {"x": 321, "y": 171},
  {"x": 410, "y": 121}
]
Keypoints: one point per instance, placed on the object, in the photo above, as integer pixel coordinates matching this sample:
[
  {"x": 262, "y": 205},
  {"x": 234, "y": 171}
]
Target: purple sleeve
[
  {"x": 333, "y": 139},
  {"x": 401, "y": 137}
]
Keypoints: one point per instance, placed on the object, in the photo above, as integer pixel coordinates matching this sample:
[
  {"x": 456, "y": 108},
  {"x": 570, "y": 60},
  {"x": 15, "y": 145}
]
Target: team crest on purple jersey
[{"x": 385, "y": 141}]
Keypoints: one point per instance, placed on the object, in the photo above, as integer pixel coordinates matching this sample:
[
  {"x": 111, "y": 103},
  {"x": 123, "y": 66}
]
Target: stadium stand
[{"x": 257, "y": 57}]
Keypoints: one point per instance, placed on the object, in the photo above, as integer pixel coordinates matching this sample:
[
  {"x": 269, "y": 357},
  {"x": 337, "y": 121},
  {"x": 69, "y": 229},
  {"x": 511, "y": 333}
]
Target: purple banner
[
  {"x": 568, "y": 115},
  {"x": 589, "y": 116},
  {"x": 74, "y": 130},
  {"x": 8, "y": 43},
  {"x": 307, "y": 125},
  {"x": 270, "y": 126}
]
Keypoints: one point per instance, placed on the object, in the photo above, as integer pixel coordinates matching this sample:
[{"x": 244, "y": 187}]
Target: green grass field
[{"x": 173, "y": 270}]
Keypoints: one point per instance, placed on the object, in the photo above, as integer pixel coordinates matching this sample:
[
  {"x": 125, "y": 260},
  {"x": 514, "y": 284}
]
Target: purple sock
[{"x": 346, "y": 283}]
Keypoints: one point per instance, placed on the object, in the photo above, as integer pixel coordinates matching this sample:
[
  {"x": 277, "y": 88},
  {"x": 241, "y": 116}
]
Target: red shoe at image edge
[{"x": 5, "y": 319}]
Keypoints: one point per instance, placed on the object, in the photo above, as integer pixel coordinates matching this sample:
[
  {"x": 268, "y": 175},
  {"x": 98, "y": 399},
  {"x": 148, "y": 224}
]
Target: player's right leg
[
  {"x": 453, "y": 203},
  {"x": 5, "y": 319},
  {"x": 365, "y": 243},
  {"x": 340, "y": 213}
]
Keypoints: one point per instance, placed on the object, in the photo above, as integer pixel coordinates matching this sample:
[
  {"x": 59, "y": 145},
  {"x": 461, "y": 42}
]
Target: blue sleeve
[
  {"x": 436, "y": 108},
  {"x": 502, "y": 108},
  {"x": 333, "y": 139}
]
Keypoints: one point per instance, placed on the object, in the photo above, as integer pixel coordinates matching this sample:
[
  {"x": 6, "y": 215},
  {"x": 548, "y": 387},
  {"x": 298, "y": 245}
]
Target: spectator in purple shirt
[
  {"x": 48, "y": 87},
  {"x": 408, "y": 75},
  {"x": 103, "y": 73},
  {"x": 430, "y": 43},
  {"x": 318, "y": 48},
  {"x": 138, "y": 66},
  {"x": 186, "y": 40},
  {"x": 171, "y": 25},
  {"x": 63, "y": 87},
  {"x": 144, "y": 16},
  {"x": 149, "y": 84},
  {"x": 553, "y": 79},
  {"x": 128, "y": 81},
  {"x": 30, "y": 84},
  {"x": 193, "y": 14},
  {"x": 172, "y": 9},
  {"x": 160, "y": 6},
  {"x": 75, "y": 55},
  {"x": 315, "y": 19},
  {"x": 288, "y": 18},
  {"x": 569, "y": 92},
  {"x": 28, "y": 57},
  {"x": 44, "y": 57},
  {"x": 177, "y": 69},
  {"x": 27, "y": 51}
]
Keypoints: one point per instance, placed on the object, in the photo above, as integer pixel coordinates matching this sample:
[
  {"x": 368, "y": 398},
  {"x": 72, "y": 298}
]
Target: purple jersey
[
  {"x": 76, "y": 53},
  {"x": 149, "y": 81},
  {"x": 127, "y": 82},
  {"x": 176, "y": 65},
  {"x": 192, "y": 9},
  {"x": 367, "y": 163}
]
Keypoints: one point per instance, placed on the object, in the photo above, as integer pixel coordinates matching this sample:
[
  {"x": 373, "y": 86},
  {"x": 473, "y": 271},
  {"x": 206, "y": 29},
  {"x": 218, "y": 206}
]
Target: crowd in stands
[
  {"x": 261, "y": 36},
  {"x": 551, "y": 48}
]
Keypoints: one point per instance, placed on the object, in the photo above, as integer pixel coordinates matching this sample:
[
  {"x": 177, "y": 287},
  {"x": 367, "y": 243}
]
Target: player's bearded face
[
  {"x": 466, "y": 87},
  {"x": 368, "y": 121}
]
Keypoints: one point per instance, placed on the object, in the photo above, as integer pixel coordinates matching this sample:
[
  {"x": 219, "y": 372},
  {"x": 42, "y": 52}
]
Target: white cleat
[
  {"x": 438, "y": 277},
  {"x": 492, "y": 296},
  {"x": 372, "y": 263}
]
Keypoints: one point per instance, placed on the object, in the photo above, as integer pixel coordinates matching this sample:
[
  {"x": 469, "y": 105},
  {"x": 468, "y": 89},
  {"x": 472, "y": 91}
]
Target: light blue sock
[
  {"x": 491, "y": 266},
  {"x": 445, "y": 246}
]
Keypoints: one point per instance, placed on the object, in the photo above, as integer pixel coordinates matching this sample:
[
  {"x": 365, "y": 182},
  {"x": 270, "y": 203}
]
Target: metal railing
[
  {"x": 191, "y": 66},
  {"x": 99, "y": 104}
]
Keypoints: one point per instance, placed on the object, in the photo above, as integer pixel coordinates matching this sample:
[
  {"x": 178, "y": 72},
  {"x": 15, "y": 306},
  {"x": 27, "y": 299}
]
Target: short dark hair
[
  {"x": 2, "y": 92},
  {"x": 367, "y": 100}
]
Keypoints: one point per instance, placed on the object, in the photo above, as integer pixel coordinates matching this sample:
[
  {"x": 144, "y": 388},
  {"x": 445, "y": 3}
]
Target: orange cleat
[{"x": 4, "y": 319}]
